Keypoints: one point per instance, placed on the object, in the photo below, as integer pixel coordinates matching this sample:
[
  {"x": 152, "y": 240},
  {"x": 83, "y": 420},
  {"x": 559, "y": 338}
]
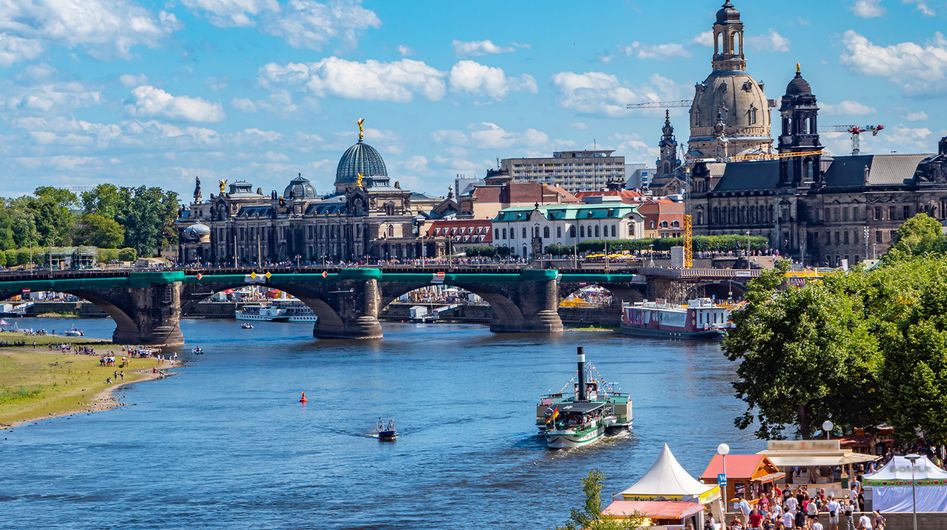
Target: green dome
[{"x": 361, "y": 158}]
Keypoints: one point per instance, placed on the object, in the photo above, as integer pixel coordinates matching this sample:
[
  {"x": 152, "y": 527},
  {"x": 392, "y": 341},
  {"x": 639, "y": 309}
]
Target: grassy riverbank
[{"x": 39, "y": 383}]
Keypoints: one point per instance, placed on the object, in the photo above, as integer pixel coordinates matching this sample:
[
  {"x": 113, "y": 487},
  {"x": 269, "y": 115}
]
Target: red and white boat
[{"x": 700, "y": 318}]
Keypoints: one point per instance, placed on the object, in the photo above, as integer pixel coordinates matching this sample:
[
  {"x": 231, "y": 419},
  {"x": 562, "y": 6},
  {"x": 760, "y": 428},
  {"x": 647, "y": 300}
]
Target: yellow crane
[{"x": 688, "y": 242}]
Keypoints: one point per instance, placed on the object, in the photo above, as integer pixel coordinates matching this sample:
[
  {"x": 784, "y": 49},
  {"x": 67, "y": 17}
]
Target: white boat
[
  {"x": 299, "y": 312},
  {"x": 701, "y": 318},
  {"x": 261, "y": 313},
  {"x": 246, "y": 325},
  {"x": 74, "y": 332}
]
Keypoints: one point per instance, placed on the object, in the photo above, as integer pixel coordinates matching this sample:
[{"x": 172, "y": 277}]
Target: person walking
[
  {"x": 864, "y": 522},
  {"x": 833, "y": 507}
]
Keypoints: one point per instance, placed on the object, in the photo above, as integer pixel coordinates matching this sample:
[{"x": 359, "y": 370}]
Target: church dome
[
  {"x": 196, "y": 232},
  {"x": 360, "y": 158},
  {"x": 728, "y": 13},
  {"x": 734, "y": 98},
  {"x": 299, "y": 188},
  {"x": 798, "y": 86}
]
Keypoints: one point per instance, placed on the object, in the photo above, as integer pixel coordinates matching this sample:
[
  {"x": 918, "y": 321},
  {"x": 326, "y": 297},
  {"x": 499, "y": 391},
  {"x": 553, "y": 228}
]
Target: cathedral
[{"x": 815, "y": 208}]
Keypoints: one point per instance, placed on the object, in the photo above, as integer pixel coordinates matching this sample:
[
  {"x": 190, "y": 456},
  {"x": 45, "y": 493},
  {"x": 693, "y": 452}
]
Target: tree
[
  {"x": 148, "y": 215},
  {"x": 590, "y": 516},
  {"x": 99, "y": 231},
  {"x": 104, "y": 199},
  {"x": 52, "y": 214},
  {"x": 806, "y": 354},
  {"x": 918, "y": 235}
]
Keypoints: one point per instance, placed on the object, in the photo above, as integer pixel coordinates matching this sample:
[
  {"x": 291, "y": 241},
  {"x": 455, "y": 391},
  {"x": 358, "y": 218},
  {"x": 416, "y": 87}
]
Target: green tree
[
  {"x": 105, "y": 200},
  {"x": 99, "y": 231},
  {"x": 52, "y": 214},
  {"x": 806, "y": 354},
  {"x": 148, "y": 215},
  {"x": 918, "y": 235},
  {"x": 590, "y": 517}
]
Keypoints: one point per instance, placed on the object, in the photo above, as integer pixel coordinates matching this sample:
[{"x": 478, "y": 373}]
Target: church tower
[
  {"x": 730, "y": 114},
  {"x": 800, "y": 134},
  {"x": 668, "y": 162}
]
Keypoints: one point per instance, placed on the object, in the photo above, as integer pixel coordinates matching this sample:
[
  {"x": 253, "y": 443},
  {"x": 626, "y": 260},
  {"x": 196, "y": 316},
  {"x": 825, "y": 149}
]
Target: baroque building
[
  {"x": 363, "y": 217},
  {"x": 819, "y": 209},
  {"x": 730, "y": 113}
]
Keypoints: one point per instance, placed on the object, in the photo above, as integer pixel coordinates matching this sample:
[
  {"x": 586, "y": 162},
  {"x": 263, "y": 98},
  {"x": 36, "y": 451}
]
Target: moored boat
[
  {"x": 197, "y": 350},
  {"x": 592, "y": 410},
  {"x": 701, "y": 318},
  {"x": 261, "y": 313}
]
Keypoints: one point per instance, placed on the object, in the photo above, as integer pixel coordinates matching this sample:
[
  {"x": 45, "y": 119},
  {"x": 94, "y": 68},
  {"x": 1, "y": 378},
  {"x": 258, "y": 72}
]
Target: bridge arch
[
  {"x": 115, "y": 305},
  {"x": 505, "y": 311}
]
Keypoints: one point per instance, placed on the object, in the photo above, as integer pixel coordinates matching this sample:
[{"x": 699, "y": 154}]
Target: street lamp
[
  {"x": 913, "y": 458},
  {"x": 723, "y": 450},
  {"x": 827, "y": 426}
]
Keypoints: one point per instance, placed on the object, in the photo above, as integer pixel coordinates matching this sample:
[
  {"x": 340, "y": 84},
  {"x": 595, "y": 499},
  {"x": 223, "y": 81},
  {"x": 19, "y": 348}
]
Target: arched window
[
  {"x": 614, "y": 233},
  {"x": 559, "y": 231},
  {"x": 582, "y": 231},
  {"x": 597, "y": 232},
  {"x": 631, "y": 228},
  {"x": 572, "y": 231},
  {"x": 524, "y": 232},
  {"x": 391, "y": 231},
  {"x": 546, "y": 232}
]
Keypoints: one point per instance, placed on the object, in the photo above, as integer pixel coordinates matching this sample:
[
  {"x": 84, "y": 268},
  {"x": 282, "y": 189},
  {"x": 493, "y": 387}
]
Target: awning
[
  {"x": 804, "y": 459},
  {"x": 653, "y": 509},
  {"x": 772, "y": 477}
]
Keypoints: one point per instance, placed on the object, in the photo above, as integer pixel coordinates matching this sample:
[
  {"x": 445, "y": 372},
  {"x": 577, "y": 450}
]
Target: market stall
[
  {"x": 749, "y": 476},
  {"x": 667, "y": 495},
  {"x": 891, "y": 486},
  {"x": 818, "y": 463}
]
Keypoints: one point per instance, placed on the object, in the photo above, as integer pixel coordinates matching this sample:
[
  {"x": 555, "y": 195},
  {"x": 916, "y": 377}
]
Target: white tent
[
  {"x": 891, "y": 486},
  {"x": 668, "y": 480}
]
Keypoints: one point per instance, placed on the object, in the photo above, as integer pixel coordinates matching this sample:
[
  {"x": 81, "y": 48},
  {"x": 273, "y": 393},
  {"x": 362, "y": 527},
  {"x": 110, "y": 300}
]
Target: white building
[
  {"x": 573, "y": 170},
  {"x": 528, "y": 231}
]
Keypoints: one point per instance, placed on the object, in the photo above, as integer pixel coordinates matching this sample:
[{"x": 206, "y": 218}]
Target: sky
[{"x": 139, "y": 92}]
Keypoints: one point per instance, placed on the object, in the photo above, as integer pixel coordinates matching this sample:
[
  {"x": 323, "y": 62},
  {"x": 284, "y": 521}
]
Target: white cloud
[
  {"x": 475, "y": 78},
  {"x": 396, "y": 81},
  {"x": 405, "y": 51},
  {"x": 602, "y": 93},
  {"x": 771, "y": 42},
  {"x": 231, "y": 12},
  {"x": 301, "y": 23},
  {"x": 131, "y": 80},
  {"x": 656, "y": 51},
  {"x": 847, "y": 108},
  {"x": 151, "y": 101},
  {"x": 916, "y": 68},
  {"x": 868, "y": 8},
  {"x": 243, "y": 104},
  {"x": 479, "y": 47},
  {"x": 488, "y": 135},
  {"x": 104, "y": 28},
  {"x": 916, "y": 116},
  {"x": 634, "y": 148},
  {"x": 46, "y": 97},
  {"x": 255, "y": 136},
  {"x": 921, "y": 6},
  {"x": 704, "y": 38},
  {"x": 14, "y": 49}
]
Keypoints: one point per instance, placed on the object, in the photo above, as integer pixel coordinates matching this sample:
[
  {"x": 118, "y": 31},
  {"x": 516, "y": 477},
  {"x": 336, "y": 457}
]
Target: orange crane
[{"x": 856, "y": 131}]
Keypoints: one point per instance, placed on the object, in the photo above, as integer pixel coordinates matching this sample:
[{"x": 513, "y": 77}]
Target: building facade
[
  {"x": 572, "y": 170},
  {"x": 528, "y": 231},
  {"x": 363, "y": 217}
]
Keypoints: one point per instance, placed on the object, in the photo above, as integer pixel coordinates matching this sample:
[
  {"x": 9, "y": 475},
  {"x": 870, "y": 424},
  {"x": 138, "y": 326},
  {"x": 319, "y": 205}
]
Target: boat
[
  {"x": 593, "y": 409},
  {"x": 246, "y": 325},
  {"x": 385, "y": 430},
  {"x": 197, "y": 351},
  {"x": 261, "y": 313},
  {"x": 700, "y": 318},
  {"x": 74, "y": 332},
  {"x": 297, "y": 311}
]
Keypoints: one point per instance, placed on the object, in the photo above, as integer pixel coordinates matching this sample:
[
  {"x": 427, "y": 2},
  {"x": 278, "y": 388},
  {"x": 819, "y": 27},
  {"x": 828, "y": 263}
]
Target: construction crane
[
  {"x": 661, "y": 104},
  {"x": 856, "y": 132},
  {"x": 688, "y": 242},
  {"x": 772, "y": 156}
]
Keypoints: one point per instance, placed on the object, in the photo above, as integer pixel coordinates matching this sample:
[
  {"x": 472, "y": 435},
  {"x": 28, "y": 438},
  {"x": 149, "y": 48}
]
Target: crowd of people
[{"x": 804, "y": 510}]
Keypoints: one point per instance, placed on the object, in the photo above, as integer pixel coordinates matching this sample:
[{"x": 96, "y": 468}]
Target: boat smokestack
[{"x": 581, "y": 354}]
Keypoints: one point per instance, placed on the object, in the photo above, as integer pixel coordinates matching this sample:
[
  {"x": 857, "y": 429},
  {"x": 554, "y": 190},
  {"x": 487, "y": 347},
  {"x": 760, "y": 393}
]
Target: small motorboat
[
  {"x": 246, "y": 325},
  {"x": 386, "y": 430},
  {"x": 74, "y": 332},
  {"x": 197, "y": 351}
]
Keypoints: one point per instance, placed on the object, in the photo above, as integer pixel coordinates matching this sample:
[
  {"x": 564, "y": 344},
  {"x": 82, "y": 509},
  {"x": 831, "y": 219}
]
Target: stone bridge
[{"x": 147, "y": 306}]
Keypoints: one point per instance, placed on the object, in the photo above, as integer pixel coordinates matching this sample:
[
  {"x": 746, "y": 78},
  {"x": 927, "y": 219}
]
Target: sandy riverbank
[{"x": 38, "y": 384}]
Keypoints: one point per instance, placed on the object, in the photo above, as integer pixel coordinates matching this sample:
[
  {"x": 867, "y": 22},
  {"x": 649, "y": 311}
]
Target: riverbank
[{"x": 39, "y": 383}]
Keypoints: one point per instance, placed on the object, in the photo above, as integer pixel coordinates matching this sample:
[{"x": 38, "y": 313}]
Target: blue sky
[{"x": 157, "y": 92}]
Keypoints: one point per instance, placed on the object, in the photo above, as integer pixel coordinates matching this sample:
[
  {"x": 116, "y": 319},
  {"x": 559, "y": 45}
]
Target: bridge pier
[
  {"x": 354, "y": 302},
  {"x": 155, "y": 313},
  {"x": 536, "y": 301}
]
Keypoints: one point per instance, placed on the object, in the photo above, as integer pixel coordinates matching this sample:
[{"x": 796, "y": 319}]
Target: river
[{"x": 226, "y": 444}]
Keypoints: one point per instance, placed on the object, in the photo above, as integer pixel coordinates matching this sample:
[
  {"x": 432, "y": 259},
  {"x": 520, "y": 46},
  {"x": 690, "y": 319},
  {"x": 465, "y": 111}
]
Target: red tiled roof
[
  {"x": 626, "y": 196},
  {"x": 738, "y": 466},
  {"x": 463, "y": 230}
]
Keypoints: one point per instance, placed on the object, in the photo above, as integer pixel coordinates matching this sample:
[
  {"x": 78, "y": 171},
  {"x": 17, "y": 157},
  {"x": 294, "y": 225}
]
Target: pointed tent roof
[{"x": 667, "y": 478}]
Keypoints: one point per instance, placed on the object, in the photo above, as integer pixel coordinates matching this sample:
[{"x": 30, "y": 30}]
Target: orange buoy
[{"x": 302, "y": 398}]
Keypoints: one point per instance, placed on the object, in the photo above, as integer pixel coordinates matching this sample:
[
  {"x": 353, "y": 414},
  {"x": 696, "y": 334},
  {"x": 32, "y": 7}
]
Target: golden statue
[
  {"x": 361, "y": 130},
  {"x": 223, "y": 186},
  {"x": 358, "y": 181}
]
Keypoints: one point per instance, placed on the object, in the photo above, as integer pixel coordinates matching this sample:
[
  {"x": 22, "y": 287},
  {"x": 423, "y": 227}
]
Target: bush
[
  {"x": 480, "y": 250},
  {"x": 503, "y": 252},
  {"x": 23, "y": 256},
  {"x": 127, "y": 254},
  {"x": 10, "y": 257}
]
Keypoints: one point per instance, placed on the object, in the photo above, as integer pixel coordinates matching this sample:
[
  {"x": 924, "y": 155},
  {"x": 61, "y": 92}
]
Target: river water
[{"x": 225, "y": 444}]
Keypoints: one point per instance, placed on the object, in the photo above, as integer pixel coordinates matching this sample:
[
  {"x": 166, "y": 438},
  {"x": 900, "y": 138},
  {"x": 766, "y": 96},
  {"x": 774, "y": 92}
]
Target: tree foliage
[
  {"x": 99, "y": 231},
  {"x": 723, "y": 243},
  {"x": 590, "y": 517}
]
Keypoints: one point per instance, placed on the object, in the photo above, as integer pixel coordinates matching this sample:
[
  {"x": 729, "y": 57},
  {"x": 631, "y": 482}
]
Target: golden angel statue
[
  {"x": 358, "y": 181},
  {"x": 223, "y": 185},
  {"x": 361, "y": 130}
]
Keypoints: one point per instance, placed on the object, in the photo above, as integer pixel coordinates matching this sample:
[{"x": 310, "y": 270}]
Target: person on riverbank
[{"x": 743, "y": 506}]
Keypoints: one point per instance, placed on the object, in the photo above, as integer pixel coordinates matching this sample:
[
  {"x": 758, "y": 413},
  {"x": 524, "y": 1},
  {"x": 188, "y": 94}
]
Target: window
[
  {"x": 559, "y": 231},
  {"x": 391, "y": 231},
  {"x": 845, "y": 238},
  {"x": 877, "y": 213},
  {"x": 524, "y": 232},
  {"x": 845, "y": 213},
  {"x": 891, "y": 213},
  {"x": 597, "y": 231},
  {"x": 837, "y": 238},
  {"x": 546, "y": 232},
  {"x": 614, "y": 231},
  {"x": 907, "y": 212},
  {"x": 572, "y": 231},
  {"x": 878, "y": 236},
  {"x": 582, "y": 231},
  {"x": 496, "y": 233},
  {"x": 631, "y": 229}
]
